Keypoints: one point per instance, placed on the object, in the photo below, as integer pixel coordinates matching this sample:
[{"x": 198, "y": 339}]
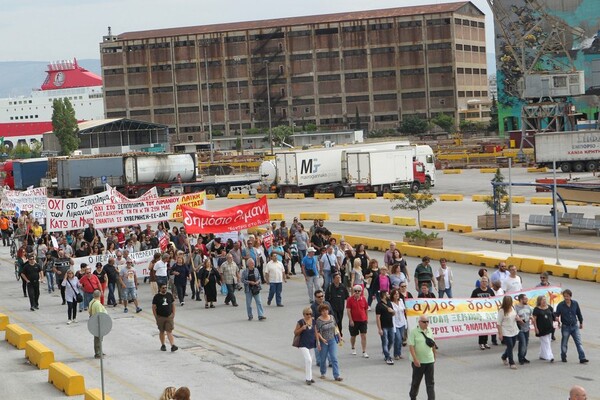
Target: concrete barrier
[
  {"x": 585, "y": 272},
  {"x": 489, "y": 262},
  {"x": 17, "y": 336},
  {"x": 4, "y": 320},
  {"x": 267, "y": 195},
  {"x": 532, "y": 265},
  {"x": 516, "y": 261},
  {"x": 324, "y": 196},
  {"x": 422, "y": 195},
  {"x": 480, "y": 198},
  {"x": 541, "y": 200},
  {"x": 276, "y": 216},
  {"x": 562, "y": 271},
  {"x": 451, "y": 197},
  {"x": 390, "y": 196},
  {"x": 461, "y": 257},
  {"x": 66, "y": 379},
  {"x": 238, "y": 196},
  {"x": 95, "y": 394},
  {"x": 404, "y": 221},
  {"x": 294, "y": 196},
  {"x": 429, "y": 224},
  {"x": 38, "y": 354},
  {"x": 487, "y": 170},
  {"x": 452, "y": 171},
  {"x": 459, "y": 228},
  {"x": 534, "y": 170},
  {"x": 210, "y": 197},
  {"x": 380, "y": 218},
  {"x": 515, "y": 199},
  {"x": 354, "y": 217},
  {"x": 365, "y": 196},
  {"x": 575, "y": 203},
  {"x": 314, "y": 215}
]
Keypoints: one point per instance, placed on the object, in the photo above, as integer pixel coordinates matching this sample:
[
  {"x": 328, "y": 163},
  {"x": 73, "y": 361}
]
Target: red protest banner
[{"x": 228, "y": 220}]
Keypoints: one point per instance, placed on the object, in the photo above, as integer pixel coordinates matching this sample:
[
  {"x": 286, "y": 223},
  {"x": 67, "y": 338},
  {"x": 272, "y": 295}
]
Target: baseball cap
[{"x": 310, "y": 249}]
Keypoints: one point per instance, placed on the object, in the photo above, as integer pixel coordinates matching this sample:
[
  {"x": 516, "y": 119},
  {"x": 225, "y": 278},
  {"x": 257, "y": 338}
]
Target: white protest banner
[
  {"x": 118, "y": 197},
  {"x": 144, "y": 211},
  {"x": 70, "y": 214},
  {"x": 140, "y": 261},
  {"x": 27, "y": 200}
]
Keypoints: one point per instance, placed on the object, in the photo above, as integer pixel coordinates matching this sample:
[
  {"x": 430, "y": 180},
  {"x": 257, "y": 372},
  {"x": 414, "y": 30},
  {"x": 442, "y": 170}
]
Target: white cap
[{"x": 311, "y": 249}]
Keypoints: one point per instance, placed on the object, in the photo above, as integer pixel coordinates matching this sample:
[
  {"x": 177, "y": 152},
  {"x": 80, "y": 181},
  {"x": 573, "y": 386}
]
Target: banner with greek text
[
  {"x": 118, "y": 197},
  {"x": 109, "y": 215},
  {"x": 140, "y": 261},
  {"x": 451, "y": 318},
  {"x": 228, "y": 220},
  {"x": 26, "y": 200},
  {"x": 75, "y": 213}
]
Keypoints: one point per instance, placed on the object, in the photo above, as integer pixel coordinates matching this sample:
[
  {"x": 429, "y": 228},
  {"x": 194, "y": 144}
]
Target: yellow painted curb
[
  {"x": 390, "y": 196},
  {"x": 66, "y": 379},
  {"x": 452, "y": 171},
  {"x": 585, "y": 272},
  {"x": 314, "y": 215},
  {"x": 561, "y": 271},
  {"x": 515, "y": 199},
  {"x": 404, "y": 221},
  {"x": 533, "y": 170},
  {"x": 480, "y": 197},
  {"x": 432, "y": 224},
  {"x": 459, "y": 228},
  {"x": 422, "y": 196},
  {"x": 380, "y": 218},
  {"x": 541, "y": 200},
  {"x": 575, "y": 203},
  {"x": 210, "y": 197},
  {"x": 487, "y": 170},
  {"x": 4, "y": 321},
  {"x": 276, "y": 216},
  {"x": 451, "y": 197},
  {"x": 295, "y": 196},
  {"x": 365, "y": 196},
  {"x": 324, "y": 196},
  {"x": 238, "y": 196},
  {"x": 355, "y": 217},
  {"x": 270, "y": 196},
  {"x": 17, "y": 336},
  {"x": 95, "y": 394},
  {"x": 532, "y": 265}
]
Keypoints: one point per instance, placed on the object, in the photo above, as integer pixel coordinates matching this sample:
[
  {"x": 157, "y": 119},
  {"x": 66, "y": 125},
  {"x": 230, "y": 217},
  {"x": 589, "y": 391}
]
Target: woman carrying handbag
[{"x": 72, "y": 295}]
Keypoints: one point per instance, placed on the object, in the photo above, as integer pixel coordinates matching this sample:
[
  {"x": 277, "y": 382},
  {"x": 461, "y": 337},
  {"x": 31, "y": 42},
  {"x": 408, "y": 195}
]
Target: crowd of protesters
[{"x": 342, "y": 281}]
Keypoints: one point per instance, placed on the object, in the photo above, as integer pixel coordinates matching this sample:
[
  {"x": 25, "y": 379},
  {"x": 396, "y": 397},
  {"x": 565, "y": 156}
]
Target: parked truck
[
  {"x": 576, "y": 151},
  {"x": 319, "y": 170},
  {"x": 135, "y": 174},
  {"x": 24, "y": 173}
]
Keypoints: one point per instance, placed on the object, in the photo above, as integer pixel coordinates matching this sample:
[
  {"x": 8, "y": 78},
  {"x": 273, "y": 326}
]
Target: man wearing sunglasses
[{"x": 422, "y": 357}]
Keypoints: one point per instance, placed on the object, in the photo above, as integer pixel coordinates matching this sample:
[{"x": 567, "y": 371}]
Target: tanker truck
[{"x": 135, "y": 174}]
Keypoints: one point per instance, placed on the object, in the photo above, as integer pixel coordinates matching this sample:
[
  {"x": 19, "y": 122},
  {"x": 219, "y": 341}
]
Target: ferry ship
[{"x": 24, "y": 119}]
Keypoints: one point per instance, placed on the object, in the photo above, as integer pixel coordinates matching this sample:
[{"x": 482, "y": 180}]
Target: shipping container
[{"x": 572, "y": 151}]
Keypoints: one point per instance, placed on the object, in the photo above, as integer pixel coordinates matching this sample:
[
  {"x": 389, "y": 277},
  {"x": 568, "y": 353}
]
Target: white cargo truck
[{"x": 575, "y": 151}]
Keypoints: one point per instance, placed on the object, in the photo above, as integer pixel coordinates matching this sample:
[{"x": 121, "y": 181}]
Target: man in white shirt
[
  {"x": 328, "y": 265},
  {"x": 513, "y": 283},
  {"x": 500, "y": 274},
  {"x": 275, "y": 276},
  {"x": 445, "y": 279},
  {"x": 161, "y": 268}
]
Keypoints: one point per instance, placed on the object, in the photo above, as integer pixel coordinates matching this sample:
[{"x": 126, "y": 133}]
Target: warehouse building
[{"x": 365, "y": 69}]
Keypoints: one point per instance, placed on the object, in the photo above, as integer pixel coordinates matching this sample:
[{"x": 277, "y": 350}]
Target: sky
[{"x": 42, "y": 30}]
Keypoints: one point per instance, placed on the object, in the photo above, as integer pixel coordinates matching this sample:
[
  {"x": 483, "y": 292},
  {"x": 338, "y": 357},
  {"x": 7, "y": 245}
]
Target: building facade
[{"x": 329, "y": 70}]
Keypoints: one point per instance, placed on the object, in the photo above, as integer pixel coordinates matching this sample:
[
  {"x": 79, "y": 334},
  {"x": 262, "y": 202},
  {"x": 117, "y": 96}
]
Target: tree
[
  {"x": 64, "y": 125},
  {"x": 311, "y": 128},
  {"x": 445, "y": 122},
  {"x": 499, "y": 201},
  {"x": 413, "y": 125},
  {"x": 414, "y": 202},
  {"x": 281, "y": 133}
]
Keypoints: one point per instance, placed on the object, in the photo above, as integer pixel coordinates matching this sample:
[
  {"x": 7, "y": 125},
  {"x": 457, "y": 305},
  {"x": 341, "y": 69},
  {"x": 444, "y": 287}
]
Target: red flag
[
  {"x": 228, "y": 220},
  {"x": 163, "y": 243}
]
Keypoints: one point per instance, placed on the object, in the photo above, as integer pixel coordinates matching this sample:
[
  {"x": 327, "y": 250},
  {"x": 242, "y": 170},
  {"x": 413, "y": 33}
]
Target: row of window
[
  {"x": 24, "y": 117},
  {"x": 466, "y": 47},
  {"x": 68, "y": 97},
  {"x": 466, "y": 22},
  {"x": 469, "y": 71},
  {"x": 475, "y": 93},
  {"x": 14, "y": 103}
]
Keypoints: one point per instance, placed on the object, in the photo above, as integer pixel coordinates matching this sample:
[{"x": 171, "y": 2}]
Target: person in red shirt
[
  {"x": 89, "y": 282},
  {"x": 356, "y": 307}
]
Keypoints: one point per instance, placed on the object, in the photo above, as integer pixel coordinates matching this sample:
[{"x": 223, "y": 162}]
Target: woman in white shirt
[
  {"x": 508, "y": 329},
  {"x": 72, "y": 288},
  {"x": 399, "y": 322}
]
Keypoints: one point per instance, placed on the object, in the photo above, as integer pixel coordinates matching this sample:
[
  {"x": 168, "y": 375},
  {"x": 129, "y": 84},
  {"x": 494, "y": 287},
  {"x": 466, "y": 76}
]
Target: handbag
[
  {"x": 224, "y": 289},
  {"x": 78, "y": 296},
  {"x": 296, "y": 341}
]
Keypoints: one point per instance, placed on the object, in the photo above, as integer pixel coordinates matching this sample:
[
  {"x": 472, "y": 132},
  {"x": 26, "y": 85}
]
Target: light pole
[
  {"x": 210, "y": 137},
  {"x": 269, "y": 105},
  {"x": 239, "y": 93}
]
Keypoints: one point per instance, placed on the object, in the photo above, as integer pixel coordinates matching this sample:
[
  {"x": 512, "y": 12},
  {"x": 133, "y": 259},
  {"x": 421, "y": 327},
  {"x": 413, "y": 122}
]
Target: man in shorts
[
  {"x": 128, "y": 281},
  {"x": 163, "y": 308},
  {"x": 356, "y": 307}
]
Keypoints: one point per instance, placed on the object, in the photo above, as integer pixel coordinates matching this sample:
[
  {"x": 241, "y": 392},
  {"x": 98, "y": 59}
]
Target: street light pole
[
  {"x": 269, "y": 105},
  {"x": 210, "y": 137}
]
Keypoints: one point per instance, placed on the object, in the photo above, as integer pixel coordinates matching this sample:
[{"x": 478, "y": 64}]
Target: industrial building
[{"x": 329, "y": 70}]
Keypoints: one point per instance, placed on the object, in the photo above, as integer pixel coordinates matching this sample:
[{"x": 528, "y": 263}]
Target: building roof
[
  {"x": 291, "y": 21},
  {"x": 117, "y": 124}
]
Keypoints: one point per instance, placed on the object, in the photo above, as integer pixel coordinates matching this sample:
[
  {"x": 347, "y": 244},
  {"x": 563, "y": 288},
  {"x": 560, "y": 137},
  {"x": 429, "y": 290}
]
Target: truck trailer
[
  {"x": 575, "y": 151},
  {"x": 28, "y": 173}
]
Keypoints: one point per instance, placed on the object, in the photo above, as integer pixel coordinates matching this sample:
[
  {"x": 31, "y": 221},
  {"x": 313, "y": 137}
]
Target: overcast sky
[{"x": 43, "y": 30}]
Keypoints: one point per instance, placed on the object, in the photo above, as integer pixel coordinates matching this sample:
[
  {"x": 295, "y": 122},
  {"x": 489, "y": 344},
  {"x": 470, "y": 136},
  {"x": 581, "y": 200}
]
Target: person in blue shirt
[
  {"x": 571, "y": 321},
  {"x": 310, "y": 270}
]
